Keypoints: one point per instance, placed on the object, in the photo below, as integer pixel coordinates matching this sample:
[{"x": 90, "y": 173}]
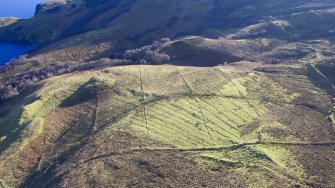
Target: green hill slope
[
  {"x": 150, "y": 125},
  {"x": 144, "y": 93}
]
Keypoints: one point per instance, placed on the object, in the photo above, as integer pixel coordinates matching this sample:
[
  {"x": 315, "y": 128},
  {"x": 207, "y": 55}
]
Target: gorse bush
[{"x": 151, "y": 54}]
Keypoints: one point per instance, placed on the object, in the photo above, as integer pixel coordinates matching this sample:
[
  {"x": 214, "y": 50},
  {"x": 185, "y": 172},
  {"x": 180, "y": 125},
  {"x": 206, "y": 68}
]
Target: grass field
[
  {"x": 250, "y": 102},
  {"x": 224, "y": 120}
]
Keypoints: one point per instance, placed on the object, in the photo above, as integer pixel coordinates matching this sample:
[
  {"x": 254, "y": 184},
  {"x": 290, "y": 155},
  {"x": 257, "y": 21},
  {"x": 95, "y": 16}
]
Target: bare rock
[
  {"x": 7, "y": 21},
  {"x": 49, "y": 6}
]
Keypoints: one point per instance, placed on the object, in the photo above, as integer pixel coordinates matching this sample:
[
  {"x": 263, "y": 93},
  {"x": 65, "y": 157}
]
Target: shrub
[{"x": 41, "y": 69}]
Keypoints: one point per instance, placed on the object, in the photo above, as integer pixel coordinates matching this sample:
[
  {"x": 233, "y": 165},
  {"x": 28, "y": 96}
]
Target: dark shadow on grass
[
  {"x": 12, "y": 130},
  {"x": 83, "y": 94},
  {"x": 319, "y": 81},
  {"x": 190, "y": 55},
  {"x": 47, "y": 175}
]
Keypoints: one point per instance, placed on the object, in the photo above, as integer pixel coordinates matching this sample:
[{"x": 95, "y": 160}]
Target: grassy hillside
[
  {"x": 144, "y": 125},
  {"x": 147, "y": 93},
  {"x": 116, "y": 25}
]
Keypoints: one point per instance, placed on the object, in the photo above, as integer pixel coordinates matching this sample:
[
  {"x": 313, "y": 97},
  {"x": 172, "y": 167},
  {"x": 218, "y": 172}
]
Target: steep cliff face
[{"x": 49, "y": 6}]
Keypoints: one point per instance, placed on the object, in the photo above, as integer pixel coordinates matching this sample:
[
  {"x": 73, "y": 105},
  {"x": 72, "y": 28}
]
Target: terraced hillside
[
  {"x": 167, "y": 125},
  {"x": 170, "y": 93}
]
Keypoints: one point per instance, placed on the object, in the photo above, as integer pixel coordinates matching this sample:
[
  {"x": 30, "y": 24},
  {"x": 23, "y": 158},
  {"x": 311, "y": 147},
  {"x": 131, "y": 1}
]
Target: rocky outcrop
[
  {"x": 7, "y": 21},
  {"x": 50, "y": 6}
]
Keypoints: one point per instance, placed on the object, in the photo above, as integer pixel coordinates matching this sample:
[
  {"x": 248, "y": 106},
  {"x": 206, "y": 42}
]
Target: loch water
[
  {"x": 21, "y": 9},
  {"x": 9, "y": 51}
]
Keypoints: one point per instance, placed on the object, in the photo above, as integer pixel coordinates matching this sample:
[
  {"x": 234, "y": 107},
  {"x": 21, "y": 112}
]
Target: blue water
[
  {"x": 10, "y": 51},
  {"x": 19, "y": 9}
]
